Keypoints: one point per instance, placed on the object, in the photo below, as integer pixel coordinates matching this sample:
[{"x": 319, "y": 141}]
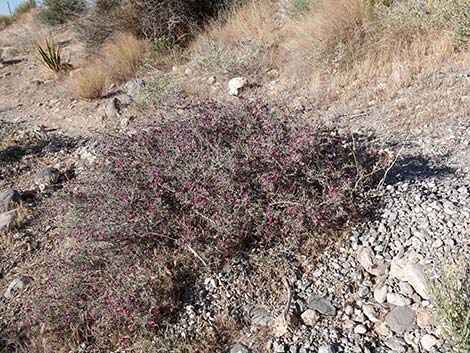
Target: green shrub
[
  {"x": 24, "y": 7},
  {"x": 173, "y": 21},
  {"x": 451, "y": 299},
  {"x": 54, "y": 12},
  {"x": 5, "y": 21}
]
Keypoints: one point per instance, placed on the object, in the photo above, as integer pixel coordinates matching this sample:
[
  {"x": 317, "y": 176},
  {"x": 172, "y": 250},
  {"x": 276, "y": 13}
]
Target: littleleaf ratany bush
[{"x": 194, "y": 188}]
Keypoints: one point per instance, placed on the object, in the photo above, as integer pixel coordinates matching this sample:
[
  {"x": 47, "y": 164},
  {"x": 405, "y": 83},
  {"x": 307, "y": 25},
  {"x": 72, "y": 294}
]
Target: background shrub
[
  {"x": 165, "y": 20},
  {"x": 124, "y": 55},
  {"x": 211, "y": 179},
  {"x": 54, "y": 12},
  {"x": 24, "y": 7}
]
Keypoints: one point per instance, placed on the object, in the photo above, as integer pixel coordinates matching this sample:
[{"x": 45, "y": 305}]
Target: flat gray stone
[
  {"x": 48, "y": 176},
  {"x": 15, "y": 285},
  {"x": 259, "y": 316},
  {"x": 327, "y": 348},
  {"x": 7, "y": 220},
  {"x": 400, "y": 319},
  {"x": 239, "y": 348},
  {"x": 322, "y": 305},
  {"x": 9, "y": 195}
]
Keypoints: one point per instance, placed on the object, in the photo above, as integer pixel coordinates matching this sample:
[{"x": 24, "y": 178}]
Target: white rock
[
  {"x": 360, "y": 329},
  {"x": 408, "y": 270},
  {"x": 383, "y": 330},
  {"x": 428, "y": 342},
  {"x": 327, "y": 348},
  {"x": 397, "y": 299},
  {"x": 310, "y": 317},
  {"x": 380, "y": 294},
  {"x": 370, "y": 312},
  {"x": 7, "y": 219},
  {"x": 15, "y": 285},
  {"x": 370, "y": 263},
  {"x": 235, "y": 84},
  {"x": 423, "y": 319}
]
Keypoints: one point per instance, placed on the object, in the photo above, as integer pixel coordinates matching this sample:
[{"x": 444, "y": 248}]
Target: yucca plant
[{"x": 50, "y": 56}]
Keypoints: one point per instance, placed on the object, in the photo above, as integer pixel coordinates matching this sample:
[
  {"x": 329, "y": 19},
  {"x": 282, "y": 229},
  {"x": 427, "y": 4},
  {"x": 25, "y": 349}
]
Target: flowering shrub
[{"x": 194, "y": 187}]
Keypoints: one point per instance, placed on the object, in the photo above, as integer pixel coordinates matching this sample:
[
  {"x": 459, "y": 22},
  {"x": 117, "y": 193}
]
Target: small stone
[
  {"x": 15, "y": 285},
  {"x": 239, "y": 348},
  {"x": 382, "y": 329},
  {"x": 370, "y": 263},
  {"x": 409, "y": 271},
  {"x": 380, "y": 294},
  {"x": 405, "y": 289},
  {"x": 279, "y": 347},
  {"x": 211, "y": 80},
  {"x": 370, "y": 313},
  {"x": 112, "y": 108},
  {"x": 423, "y": 319},
  {"x": 7, "y": 220},
  {"x": 360, "y": 329},
  {"x": 349, "y": 310},
  {"x": 428, "y": 342},
  {"x": 327, "y": 348},
  {"x": 236, "y": 84},
  {"x": 48, "y": 176},
  {"x": 397, "y": 299},
  {"x": 9, "y": 195},
  {"x": 259, "y": 316},
  {"x": 400, "y": 319},
  {"x": 395, "y": 344},
  {"x": 310, "y": 317},
  {"x": 363, "y": 292},
  {"x": 322, "y": 305},
  {"x": 437, "y": 244}
]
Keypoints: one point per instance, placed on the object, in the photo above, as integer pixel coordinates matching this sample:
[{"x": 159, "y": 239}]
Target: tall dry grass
[
  {"x": 336, "y": 41},
  {"x": 124, "y": 56},
  {"x": 242, "y": 41},
  {"x": 90, "y": 82}
]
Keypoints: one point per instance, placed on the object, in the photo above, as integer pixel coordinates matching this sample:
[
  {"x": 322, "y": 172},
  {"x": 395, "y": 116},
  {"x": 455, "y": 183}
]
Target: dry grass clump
[
  {"x": 124, "y": 56},
  {"x": 90, "y": 82},
  {"x": 348, "y": 40},
  {"x": 451, "y": 299},
  {"x": 242, "y": 42},
  {"x": 119, "y": 62},
  {"x": 336, "y": 41}
]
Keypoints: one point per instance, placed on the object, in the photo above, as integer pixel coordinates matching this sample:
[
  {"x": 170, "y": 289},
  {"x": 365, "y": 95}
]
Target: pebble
[
  {"x": 7, "y": 220},
  {"x": 428, "y": 342},
  {"x": 239, "y": 348},
  {"x": 322, "y": 305},
  {"x": 8, "y": 196},
  {"x": 327, "y": 348},
  {"x": 400, "y": 319},
  {"x": 15, "y": 285},
  {"x": 47, "y": 176},
  {"x": 380, "y": 294},
  {"x": 360, "y": 329},
  {"x": 397, "y": 299},
  {"x": 310, "y": 317}
]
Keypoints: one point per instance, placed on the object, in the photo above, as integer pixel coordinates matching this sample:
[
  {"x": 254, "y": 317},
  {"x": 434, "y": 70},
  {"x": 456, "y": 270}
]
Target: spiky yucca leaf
[{"x": 50, "y": 56}]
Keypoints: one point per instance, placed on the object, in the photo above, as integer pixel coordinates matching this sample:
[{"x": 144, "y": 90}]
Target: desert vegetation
[
  {"x": 20, "y": 10},
  {"x": 214, "y": 181},
  {"x": 183, "y": 188}
]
